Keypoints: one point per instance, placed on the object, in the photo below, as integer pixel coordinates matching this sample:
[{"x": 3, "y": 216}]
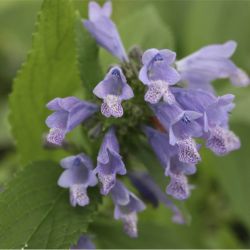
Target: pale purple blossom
[
  {"x": 214, "y": 120},
  {"x": 157, "y": 73},
  {"x": 77, "y": 176},
  {"x": 109, "y": 162},
  {"x": 127, "y": 205},
  {"x": 177, "y": 162},
  {"x": 209, "y": 63},
  {"x": 103, "y": 30},
  {"x": 113, "y": 90},
  {"x": 181, "y": 126},
  {"x": 69, "y": 112}
]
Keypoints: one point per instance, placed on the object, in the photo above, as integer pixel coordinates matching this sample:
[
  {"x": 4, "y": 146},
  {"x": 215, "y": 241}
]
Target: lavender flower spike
[
  {"x": 78, "y": 176},
  {"x": 109, "y": 162},
  {"x": 68, "y": 113},
  {"x": 126, "y": 207},
  {"x": 104, "y": 30},
  {"x": 113, "y": 90},
  {"x": 158, "y": 74},
  {"x": 84, "y": 242},
  {"x": 209, "y": 63}
]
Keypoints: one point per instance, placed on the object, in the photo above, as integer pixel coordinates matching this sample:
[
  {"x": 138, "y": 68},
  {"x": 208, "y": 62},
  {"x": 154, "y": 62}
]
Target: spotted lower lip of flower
[
  {"x": 222, "y": 141},
  {"x": 69, "y": 112},
  {"x": 130, "y": 224},
  {"x": 56, "y": 136},
  {"x": 109, "y": 162},
  {"x": 113, "y": 90},
  {"x": 78, "y": 195},
  {"x": 127, "y": 205},
  {"x": 103, "y": 30},
  {"x": 157, "y": 90},
  {"x": 78, "y": 176},
  {"x": 112, "y": 106},
  {"x": 209, "y": 63},
  {"x": 188, "y": 152},
  {"x": 157, "y": 66},
  {"x": 178, "y": 187}
]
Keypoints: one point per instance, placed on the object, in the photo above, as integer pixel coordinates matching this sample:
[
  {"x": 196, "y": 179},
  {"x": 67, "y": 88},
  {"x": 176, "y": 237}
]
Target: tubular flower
[
  {"x": 113, "y": 90},
  {"x": 215, "y": 118},
  {"x": 157, "y": 73},
  {"x": 209, "y": 63},
  {"x": 170, "y": 158},
  {"x": 68, "y": 113},
  {"x": 166, "y": 114},
  {"x": 109, "y": 162},
  {"x": 127, "y": 205},
  {"x": 77, "y": 176},
  {"x": 104, "y": 30}
]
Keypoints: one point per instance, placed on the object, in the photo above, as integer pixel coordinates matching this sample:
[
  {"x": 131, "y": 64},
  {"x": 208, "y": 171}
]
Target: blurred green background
[{"x": 219, "y": 207}]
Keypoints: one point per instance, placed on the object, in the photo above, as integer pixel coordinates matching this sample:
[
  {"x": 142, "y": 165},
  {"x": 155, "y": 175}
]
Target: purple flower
[
  {"x": 127, "y": 205},
  {"x": 109, "y": 162},
  {"x": 84, "y": 242},
  {"x": 209, "y": 63},
  {"x": 158, "y": 74},
  {"x": 103, "y": 30},
  {"x": 69, "y": 113},
  {"x": 113, "y": 89},
  {"x": 215, "y": 118},
  {"x": 185, "y": 149},
  {"x": 152, "y": 192},
  {"x": 181, "y": 126},
  {"x": 77, "y": 176},
  {"x": 177, "y": 161}
]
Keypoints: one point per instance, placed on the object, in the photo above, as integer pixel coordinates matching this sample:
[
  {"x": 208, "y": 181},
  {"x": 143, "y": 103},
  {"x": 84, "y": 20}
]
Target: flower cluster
[{"x": 179, "y": 105}]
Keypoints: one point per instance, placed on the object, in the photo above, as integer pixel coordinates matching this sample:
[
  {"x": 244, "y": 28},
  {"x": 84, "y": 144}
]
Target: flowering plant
[
  {"x": 179, "y": 105},
  {"x": 148, "y": 103}
]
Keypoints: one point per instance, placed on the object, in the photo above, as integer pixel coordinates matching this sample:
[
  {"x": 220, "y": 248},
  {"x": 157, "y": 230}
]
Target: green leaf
[
  {"x": 144, "y": 28},
  {"x": 35, "y": 212},
  {"x": 5, "y": 137},
  {"x": 50, "y": 71},
  {"x": 88, "y": 58}
]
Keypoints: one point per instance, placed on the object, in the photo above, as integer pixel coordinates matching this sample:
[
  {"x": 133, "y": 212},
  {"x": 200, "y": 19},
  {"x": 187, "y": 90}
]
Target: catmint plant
[{"x": 149, "y": 97}]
